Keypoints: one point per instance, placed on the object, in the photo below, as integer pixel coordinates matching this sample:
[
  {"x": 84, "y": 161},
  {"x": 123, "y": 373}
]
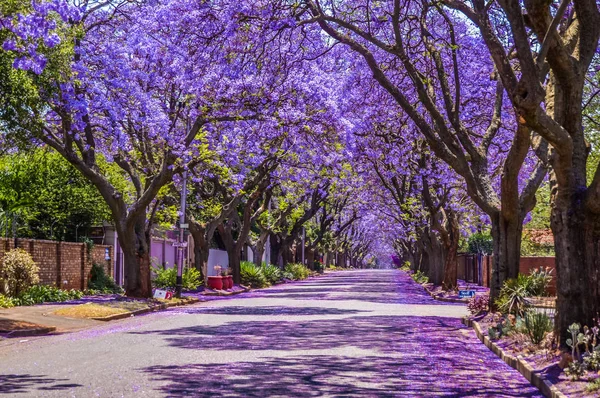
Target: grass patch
[
  {"x": 90, "y": 310},
  {"x": 93, "y": 310}
]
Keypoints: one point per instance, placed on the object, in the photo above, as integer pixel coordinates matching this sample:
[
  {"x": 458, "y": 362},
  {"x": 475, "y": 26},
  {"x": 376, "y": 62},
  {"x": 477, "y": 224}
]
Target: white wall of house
[{"x": 216, "y": 257}]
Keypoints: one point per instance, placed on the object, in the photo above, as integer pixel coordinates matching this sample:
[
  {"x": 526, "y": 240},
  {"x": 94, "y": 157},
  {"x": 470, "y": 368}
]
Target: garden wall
[
  {"x": 63, "y": 264},
  {"x": 478, "y": 269}
]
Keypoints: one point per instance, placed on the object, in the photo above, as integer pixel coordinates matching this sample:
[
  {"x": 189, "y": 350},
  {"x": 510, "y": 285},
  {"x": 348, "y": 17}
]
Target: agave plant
[{"x": 513, "y": 297}]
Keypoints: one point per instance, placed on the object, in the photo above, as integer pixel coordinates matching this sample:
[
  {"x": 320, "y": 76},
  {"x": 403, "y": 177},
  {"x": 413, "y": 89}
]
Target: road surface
[{"x": 351, "y": 333}]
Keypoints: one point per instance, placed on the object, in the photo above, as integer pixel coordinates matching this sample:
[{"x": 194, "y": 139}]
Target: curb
[
  {"x": 518, "y": 363},
  {"x": 445, "y": 299},
  {"x": 226, "y": 293},
  {"x": 30, "y": 332},
  {"x": 145, "y": 310}
]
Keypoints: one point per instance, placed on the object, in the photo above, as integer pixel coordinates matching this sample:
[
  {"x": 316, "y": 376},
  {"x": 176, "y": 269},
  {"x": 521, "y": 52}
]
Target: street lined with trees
[{"x": 331, "y": 133}]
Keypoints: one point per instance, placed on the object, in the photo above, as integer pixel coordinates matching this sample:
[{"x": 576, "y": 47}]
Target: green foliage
[
  {"x": 272, "y": 273},
  {"x": 588, "y": 340},
  {"x": 539, "y": 281},
  {"x": 297, "y": 270},
  {"x": 540, "y": 215},
  {"x": 18, "y": 272},
  {"x": 101, "y": 282},
  {"x": 480, "y": 243},
  {"x": 406, "y": 266},
  {"x": 591, "y": 360},
  {"x": 252, "y": 275},
  {"x": 420, "y": 277},
  {"x": 531, "y": 248},
  {"x": 537, "y": 324},
  {"x": 512, "y": 298},
  {"x": 191, "y": 278},
  {"x": 44, "y": 197},
  {"x": 593, "y": 386},
  {"x": 287, "y": 275},
  {"x": 6, "y": 302},
  {"x": 493, "y": 333},
  {"x": 514, "y": 292},
  {"x": 166, "y": 278},
  {"x": 46, "y": 294},
  {"x": 576, "y": 370}
]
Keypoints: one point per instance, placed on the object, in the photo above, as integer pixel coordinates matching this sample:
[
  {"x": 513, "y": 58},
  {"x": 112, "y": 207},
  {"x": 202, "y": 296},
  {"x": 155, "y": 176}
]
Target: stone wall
[{"x": 63, "y": 264}]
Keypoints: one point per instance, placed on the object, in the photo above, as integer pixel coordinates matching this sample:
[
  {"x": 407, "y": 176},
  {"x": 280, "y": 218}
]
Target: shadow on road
[
  {"x": 383, "y": 356},
  {"x": 26, "y": 384},
  {"x": 240, "y": 310},
  {"x": 309, "y": 376}
]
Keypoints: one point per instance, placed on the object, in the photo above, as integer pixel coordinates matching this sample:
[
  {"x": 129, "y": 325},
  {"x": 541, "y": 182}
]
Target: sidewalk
[{"x": 42, "y": 315}]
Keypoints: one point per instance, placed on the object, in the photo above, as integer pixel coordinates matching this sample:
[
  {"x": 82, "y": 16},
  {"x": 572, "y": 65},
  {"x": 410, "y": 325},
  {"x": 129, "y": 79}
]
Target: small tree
[{"x": 18, "y": 272}]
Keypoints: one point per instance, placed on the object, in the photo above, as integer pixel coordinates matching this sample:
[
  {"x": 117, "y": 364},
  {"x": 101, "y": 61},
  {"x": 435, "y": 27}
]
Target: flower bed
[{"x": 544, "y": 360}]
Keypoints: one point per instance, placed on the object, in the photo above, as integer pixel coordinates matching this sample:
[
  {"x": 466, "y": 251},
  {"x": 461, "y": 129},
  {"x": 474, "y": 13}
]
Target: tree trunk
[
  {"x": 259, "y": 252},
  {"x": 234, "y": 263},
  {"x": 576, "y": 242},
  {"x": 310, "y": 258},
  {"x": 506, "y": 234},
  {"x": 135, "y": 243},
  {"x": 201, "y": 248},
  {"x": 286, "y": 255},
  {"x": 436, "y": 259},
  {"x": 276, "y": 250},
  {"x": 451, "y": 263}
]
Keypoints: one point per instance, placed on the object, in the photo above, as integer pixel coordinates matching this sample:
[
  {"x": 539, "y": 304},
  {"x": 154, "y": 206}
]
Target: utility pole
[
  {"x": 303, "y": 239},
  {"x": 181, "y": 243},
  {"x": 182, "y": 226}
]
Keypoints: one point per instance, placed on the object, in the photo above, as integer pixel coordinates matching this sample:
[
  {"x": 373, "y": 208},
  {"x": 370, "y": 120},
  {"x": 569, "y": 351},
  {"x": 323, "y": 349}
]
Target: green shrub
[
  {"x": 287, "y": 275},
  {"x": 420, "y": 277},
  {"x": 297, "y": 270},
  {"x": 406, "y": 266},
  {"x": 18, "y": 272},
  {"x": 480, "y": 243},
  {"x": 539, "y": 281},
  {"x": 593, "y": 386},
  {"x": 271, "y": 273},
  {"x": 191, "y": 278},
  {"x": 536, "y": 326},
  {"x": 6, "y": 302},
  {"x": 101, "y": 282},
  {"x": 166, "y": 278},
  {"x": 46, "y": 294},
  {"x": 576, "y": 370},
  {"x": 513, "y": 294},
  {"x": 252, "y": 275}
]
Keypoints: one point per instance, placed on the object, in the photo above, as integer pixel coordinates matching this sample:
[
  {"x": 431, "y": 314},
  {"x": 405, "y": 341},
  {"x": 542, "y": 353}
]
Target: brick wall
[
  {"x": 529, "y": 263},
  {"x": 468, "y": 268},
  {"x": 63, "y": 264}
]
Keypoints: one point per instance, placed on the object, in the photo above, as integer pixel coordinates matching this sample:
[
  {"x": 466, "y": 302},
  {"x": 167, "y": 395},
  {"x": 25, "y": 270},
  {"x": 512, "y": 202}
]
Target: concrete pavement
[{"x": 351, "y": 333}]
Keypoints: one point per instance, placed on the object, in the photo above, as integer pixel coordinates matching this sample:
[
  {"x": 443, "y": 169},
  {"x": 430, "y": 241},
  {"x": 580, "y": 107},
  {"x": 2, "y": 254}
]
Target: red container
[
  {"x": 215, "y": 282},
  {"x": 229, "y": 282}
]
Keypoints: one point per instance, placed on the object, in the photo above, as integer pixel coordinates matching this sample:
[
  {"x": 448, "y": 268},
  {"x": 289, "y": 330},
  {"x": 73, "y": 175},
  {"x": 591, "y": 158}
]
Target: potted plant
[
  {"x": 216, "y": 282},
  {"x": 227, "y": 279}
]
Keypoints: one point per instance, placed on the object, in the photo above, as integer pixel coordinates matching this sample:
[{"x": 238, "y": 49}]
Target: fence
[
  {"x": 477, "y": 269},
  {"x": 63, "y": 264}
]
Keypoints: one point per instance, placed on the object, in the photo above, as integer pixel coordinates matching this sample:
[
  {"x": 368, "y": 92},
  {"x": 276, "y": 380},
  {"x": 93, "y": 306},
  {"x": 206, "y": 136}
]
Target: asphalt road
[{"x": 354, "y": 333}]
